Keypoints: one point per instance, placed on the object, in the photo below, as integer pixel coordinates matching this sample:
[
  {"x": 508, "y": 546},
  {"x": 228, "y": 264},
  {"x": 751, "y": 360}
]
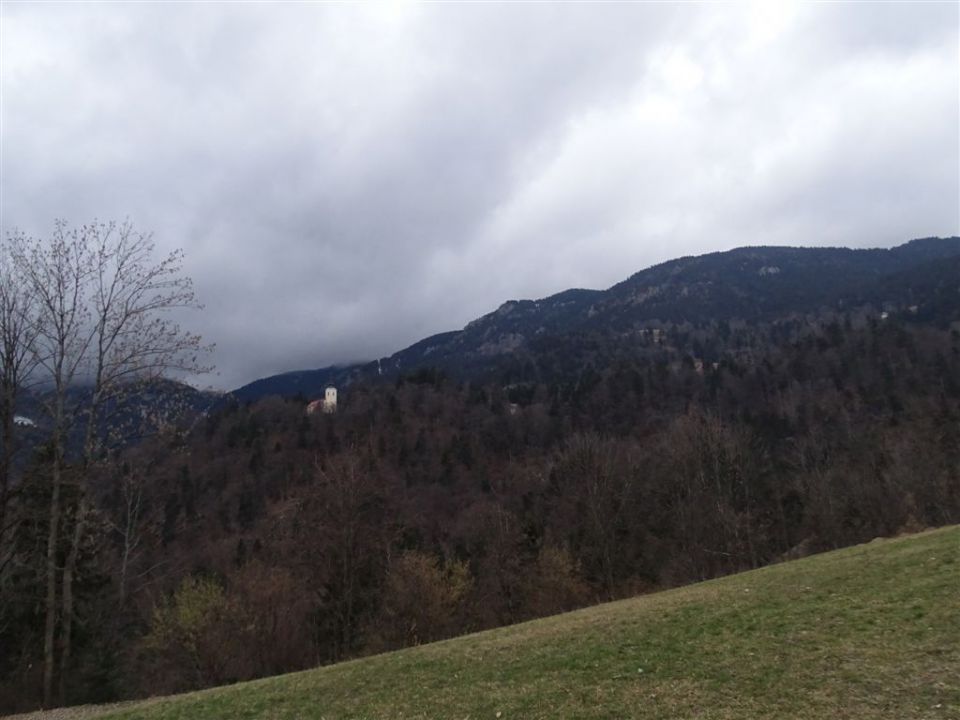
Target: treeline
[{"x": 267, "y": 540}]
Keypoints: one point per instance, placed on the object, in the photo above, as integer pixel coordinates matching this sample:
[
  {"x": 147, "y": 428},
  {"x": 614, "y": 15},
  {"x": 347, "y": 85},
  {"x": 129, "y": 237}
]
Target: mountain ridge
[{"x": 748, "y": 283}]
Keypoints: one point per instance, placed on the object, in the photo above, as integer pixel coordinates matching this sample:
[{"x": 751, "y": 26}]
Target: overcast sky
[{"x": 347, "y": 179}]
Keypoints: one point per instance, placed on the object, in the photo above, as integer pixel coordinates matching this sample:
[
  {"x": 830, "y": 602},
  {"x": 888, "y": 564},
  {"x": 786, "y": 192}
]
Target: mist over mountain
[{"x": 746, "y": 285}]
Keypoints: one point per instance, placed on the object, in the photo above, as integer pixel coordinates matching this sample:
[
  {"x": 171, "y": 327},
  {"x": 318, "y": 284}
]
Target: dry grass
[{"x": 78, "y": 712}]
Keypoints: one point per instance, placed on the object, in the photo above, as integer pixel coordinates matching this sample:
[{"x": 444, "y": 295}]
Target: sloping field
[{"x": 867, "y": 632}]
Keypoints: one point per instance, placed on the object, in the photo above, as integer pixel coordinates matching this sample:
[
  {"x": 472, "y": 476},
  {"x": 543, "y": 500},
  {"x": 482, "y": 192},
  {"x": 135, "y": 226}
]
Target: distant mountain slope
[
  {"x": 930, "y": 292},
  {"x": 762, "y": 283},
  {"x": 137, "y": 413},
  {"x": 751, "y": 284},
  {"x": 309, "y": 383}
]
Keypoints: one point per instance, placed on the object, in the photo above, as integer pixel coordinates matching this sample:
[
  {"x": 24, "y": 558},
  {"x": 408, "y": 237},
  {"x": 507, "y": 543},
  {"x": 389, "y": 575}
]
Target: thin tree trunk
[
  {"x": 70, "y": 566},
  {"x": 50, "y": 626},
  {"x": 69, "y": 570},
  {"x": 5, "y": 465},
  {"x": 131, "y": 539}
]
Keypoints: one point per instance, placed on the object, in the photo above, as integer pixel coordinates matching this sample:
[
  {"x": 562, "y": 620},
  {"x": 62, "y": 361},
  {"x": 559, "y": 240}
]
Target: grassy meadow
[{"x": 871, "y": 631}]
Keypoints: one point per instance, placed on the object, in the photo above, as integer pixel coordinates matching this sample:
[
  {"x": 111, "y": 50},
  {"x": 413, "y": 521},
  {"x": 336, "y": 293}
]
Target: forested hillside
[{"x": 267, "y": 540}]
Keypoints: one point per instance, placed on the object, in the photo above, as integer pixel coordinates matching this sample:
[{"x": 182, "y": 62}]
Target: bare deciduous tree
[
  {"x": 103, "y": 322},
  {"x": 16, "y": 361},
  {"x": 129, "y": 525},
  {"x": 57, "y": 271}
]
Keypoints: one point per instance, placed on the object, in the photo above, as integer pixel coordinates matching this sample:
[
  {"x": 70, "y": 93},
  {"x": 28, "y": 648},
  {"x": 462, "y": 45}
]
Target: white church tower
[{"x": 330, "y": 400}]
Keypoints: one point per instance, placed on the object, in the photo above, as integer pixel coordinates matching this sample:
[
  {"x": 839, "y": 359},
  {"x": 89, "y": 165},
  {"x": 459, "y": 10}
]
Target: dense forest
[{"x": 259, "y": 539}]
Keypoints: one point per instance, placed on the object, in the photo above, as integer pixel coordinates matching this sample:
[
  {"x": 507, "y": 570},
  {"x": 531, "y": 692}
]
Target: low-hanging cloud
[{"x": 346, "y": 179}]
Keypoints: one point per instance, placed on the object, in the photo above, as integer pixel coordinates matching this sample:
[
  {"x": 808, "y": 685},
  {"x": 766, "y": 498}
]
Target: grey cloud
[{"x": 346, "y": 179}]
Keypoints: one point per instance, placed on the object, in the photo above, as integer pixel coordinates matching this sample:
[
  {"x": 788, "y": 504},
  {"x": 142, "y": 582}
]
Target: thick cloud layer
[{"x": 346, "y": 179}]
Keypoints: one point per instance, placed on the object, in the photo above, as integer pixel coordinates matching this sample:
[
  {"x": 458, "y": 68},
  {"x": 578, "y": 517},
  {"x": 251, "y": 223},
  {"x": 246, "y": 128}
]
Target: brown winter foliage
[{"x": 266, "y": 540}]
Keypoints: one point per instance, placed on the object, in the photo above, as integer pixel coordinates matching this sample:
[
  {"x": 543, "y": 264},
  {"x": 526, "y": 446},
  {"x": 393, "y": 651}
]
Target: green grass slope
[{"x": 867, "y": 632}]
